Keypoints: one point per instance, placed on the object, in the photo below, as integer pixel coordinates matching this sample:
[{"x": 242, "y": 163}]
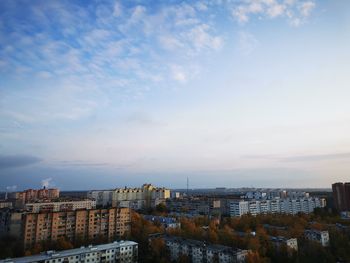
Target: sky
[{"x": 229, "y": 93}]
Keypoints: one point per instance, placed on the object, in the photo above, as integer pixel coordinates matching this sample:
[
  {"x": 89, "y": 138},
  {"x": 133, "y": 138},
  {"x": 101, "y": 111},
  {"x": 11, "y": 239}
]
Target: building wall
[
  {"x": 59, "y": 206},
  {"x": 148, "y": 195},
  {"x": 83, "y": 224},
  {"x": 31, "y": 195},
  {"x": 122, "y": 251},
  {"x": 341, "y": 196},
  {"x": 288, "y": 206}
]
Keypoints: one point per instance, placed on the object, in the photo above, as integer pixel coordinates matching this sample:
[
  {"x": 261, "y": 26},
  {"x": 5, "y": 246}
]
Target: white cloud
[
  {"x": 46, "y": 182},
  {"x": 178, "y": 74},
  {"x": 276, "y": 10},
  {"x": 247, "y": 43},
  {"x": 117, "y": 9},
  {"x": 272, "y": 9},
  {"x": 306, "y": 8}
]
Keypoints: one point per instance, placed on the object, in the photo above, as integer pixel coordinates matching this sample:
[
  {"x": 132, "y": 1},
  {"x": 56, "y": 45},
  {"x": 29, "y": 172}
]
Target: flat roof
[{"x": 47, "y": 255}]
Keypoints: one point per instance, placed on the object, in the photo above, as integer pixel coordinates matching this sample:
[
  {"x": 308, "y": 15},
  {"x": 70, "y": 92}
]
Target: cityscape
[{"x": 209, "y": 131}]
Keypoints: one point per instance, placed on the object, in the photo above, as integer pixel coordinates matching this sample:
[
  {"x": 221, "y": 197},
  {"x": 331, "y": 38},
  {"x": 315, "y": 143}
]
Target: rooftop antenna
[{"x": 187, "y": 186}]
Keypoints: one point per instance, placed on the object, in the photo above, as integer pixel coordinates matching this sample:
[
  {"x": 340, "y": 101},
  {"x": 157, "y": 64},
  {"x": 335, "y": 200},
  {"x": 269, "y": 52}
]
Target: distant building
[
  {"x": 68, "y": 205},
  {"x": 31, "y": 195},
  {"x": 194, "y": 206},
  {"x": 122, "y": 251},
  {"x": 287, "y": 206},
  {"x": 5, "y": 204},
  {"x": 341, "y": 196},
  {"x": 11, "y": 222},
  {"x": 199, "y": 252},
  {"x": 135, "y": 198},
  {"x": 166, "y": 222},
  {"x": 175, "y": 194},
  {"x": 321, "y": 237}
]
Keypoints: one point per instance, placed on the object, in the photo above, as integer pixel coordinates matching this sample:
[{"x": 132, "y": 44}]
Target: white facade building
[
  {"x": 321, "y": 237},
  {"x": 288, "y": 206},
  {"x": 239, "y": 208},
  {"x": 199, "y": 252},
  {"x": 123, "y": 251}
]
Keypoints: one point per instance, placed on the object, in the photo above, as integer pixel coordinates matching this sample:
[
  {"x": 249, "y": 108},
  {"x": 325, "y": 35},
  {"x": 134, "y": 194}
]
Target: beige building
[
  {"x": 69, "y": 205},
  {"x": 32, "y": 195},
  {"x": 136, "y": 198},
  {"x": 80, "y": 224}
]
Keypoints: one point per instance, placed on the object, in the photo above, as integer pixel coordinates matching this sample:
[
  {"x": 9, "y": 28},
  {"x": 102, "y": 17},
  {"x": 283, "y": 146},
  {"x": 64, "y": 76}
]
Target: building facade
[
  {"x": 341, "y": 196},
  {"x": 287, "y": 206},
  {"x": 290, "y": 243},
  {"x": 166, "y": 222},
  {"x": 199, "y": 252},
  {"x": 68, "y": 205},
  {"x": 83, "y": 224},
  {"x": 194, "y": 206},
  {"x": 135, "y": 198},
  {"x": 122, "y": 251},
  {"x": 321, "y": 237}
]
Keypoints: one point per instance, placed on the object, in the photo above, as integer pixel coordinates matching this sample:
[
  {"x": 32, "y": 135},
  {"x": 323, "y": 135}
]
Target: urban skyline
[{"x": 228, "y": 93}]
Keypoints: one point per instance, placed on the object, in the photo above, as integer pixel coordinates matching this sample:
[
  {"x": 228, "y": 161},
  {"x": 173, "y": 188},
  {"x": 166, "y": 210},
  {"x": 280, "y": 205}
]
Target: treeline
[{"x": 236, "y": 232}]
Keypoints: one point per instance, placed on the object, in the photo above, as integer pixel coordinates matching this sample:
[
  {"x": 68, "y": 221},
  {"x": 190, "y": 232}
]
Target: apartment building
[
  {"x": 61, "y": 205},
  {"x": 341, "y": 196},
  {"x": 321, "y": 237},
  {"x": 5, "y": 204},
  {"x": 194, "y": 206},
  {"x": 31, "y": 195},
  {"x": 84, "y": 224},
  {"x": 287, "y": 205},
  {"x": 290, "y": 243},
  {"x": 199, "y": 252},
  {"x": 122, "y": 251},
  {"x": 166, "y": 222},
  {"x": 135, "y": 198},
  {"x": 10, "y": 222}
]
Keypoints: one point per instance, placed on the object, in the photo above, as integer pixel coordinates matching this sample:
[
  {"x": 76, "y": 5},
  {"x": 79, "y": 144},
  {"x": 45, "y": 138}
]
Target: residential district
[{"x": 156, "y": 224}]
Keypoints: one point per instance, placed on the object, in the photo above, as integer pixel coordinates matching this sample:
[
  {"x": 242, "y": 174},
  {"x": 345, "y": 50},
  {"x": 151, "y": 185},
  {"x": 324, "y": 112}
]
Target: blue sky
[{"x": 97, "y": 94}]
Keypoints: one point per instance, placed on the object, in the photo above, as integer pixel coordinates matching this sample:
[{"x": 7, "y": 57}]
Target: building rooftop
[{"x": 67, "y": 253}]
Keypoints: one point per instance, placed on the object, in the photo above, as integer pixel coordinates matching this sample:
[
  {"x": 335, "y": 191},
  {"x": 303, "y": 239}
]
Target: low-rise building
[
  {"x": 290, "y": 243},
  {"x": 199, "y": 252},
  {"x": 321, "y": 237},
  {"x": 122, "y": 251},
  {"x": 166, "y": 222}
]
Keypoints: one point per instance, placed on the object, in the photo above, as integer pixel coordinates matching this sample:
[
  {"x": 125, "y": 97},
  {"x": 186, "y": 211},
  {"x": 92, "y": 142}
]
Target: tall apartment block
[
  {"x": 135, "y": 198},
  {"x": 341, "y": 196},
  {"x": 85, "y": 224}
]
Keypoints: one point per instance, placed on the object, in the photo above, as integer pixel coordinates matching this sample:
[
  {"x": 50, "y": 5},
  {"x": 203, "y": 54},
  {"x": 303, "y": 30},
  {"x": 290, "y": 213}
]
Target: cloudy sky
[{"x": 97, "y": 94}]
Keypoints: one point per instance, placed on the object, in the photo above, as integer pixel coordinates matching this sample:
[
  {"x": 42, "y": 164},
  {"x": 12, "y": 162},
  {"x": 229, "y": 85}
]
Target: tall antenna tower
[{"x": 188, "y": 183}]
